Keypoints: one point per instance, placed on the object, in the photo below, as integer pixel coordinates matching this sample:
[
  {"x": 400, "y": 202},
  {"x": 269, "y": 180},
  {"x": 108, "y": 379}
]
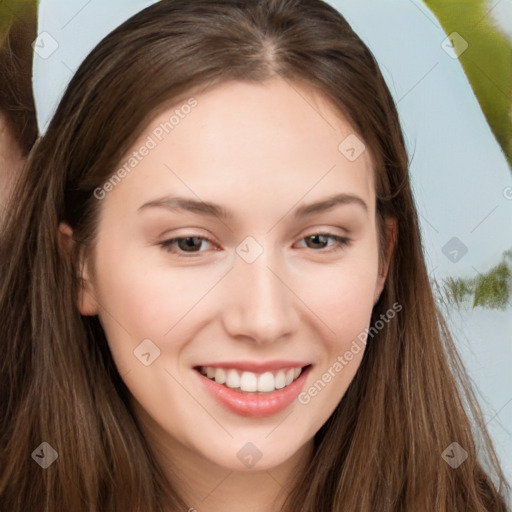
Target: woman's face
[{"x": 252, "y": 290}]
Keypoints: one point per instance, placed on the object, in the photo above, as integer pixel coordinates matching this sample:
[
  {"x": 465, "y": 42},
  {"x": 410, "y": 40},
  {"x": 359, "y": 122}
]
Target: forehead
[{"x": 251, "y": 140}]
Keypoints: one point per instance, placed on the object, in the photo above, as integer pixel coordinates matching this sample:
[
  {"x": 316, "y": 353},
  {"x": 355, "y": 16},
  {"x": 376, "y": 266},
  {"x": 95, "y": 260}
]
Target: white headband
[{"x": 426, "y": 80}]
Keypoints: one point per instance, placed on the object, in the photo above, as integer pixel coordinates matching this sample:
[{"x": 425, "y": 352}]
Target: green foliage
[
  {"x": 10, "y": 10},
  {"x": 458, "y": 289},
  {"x": 492, "y": 290},
  {"x": 487, "y": 61}
]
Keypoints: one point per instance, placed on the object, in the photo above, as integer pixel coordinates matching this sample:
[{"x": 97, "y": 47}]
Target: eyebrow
[{"x": 175, "y": 203}]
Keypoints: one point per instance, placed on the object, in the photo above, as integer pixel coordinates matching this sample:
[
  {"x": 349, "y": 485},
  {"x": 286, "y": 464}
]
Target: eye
[
  {"x": 187, "y": 244},
  {"x": 321, "y": 238}
]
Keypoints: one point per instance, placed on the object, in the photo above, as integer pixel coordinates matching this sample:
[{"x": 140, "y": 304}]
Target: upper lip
[{"x": 257, "y": 366}]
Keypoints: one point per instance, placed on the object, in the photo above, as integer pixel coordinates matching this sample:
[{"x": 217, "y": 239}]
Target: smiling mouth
[{"x": 250, "y": 382}]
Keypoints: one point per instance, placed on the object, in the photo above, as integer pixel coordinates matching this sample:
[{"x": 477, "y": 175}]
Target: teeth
[
  {"x": 250, "y": 381},
  {"x": 220, "y": 376},
  {"x": 232, "y": 379},
  {"x": 266, "y": 382},
  {"x": 280, "y": 380}
]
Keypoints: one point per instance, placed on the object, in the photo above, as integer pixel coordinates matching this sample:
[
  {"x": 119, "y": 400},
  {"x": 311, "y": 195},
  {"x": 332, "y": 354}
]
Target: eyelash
[{"x": 341, "y": 243}]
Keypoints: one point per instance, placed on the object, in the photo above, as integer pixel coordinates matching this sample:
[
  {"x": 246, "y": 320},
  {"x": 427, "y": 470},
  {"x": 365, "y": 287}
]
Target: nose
[{"x": 259, "y": 305}]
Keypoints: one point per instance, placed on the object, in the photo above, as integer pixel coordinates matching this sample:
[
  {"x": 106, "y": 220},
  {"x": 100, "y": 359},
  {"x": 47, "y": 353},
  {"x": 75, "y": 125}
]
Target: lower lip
[{"x": 253, "y": 405}]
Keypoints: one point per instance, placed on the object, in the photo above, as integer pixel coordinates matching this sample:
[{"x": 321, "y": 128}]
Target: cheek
[
  {"x": 140, "y": 303},
  {"x": 342, "y": 298},
  {"x": 350, "y": 294},
  {"x": 345, "y": 305},
  {"x": 149, "y": 300},
  {"x": 342, "y": 295}
]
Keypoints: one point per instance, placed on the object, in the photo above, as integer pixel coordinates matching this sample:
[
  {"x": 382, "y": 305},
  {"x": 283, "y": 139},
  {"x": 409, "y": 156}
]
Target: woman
[{"x": 173, "y": 336}]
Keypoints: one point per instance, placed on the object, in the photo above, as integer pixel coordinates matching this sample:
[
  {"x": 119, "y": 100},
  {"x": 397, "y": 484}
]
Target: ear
[
  {"x": 391, "y": 237},
  {"x": 87, "y": 305}
]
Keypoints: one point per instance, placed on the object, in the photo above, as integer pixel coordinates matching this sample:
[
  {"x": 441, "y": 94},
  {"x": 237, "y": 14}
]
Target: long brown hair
[{"x": 410, "y": 399}]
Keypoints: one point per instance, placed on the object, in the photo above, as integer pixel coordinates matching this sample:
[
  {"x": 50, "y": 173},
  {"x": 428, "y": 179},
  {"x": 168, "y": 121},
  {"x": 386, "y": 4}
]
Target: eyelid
[
  {"x": 328, "y": 231},
  {"x": 340, "y": 242},
  {"x": 168, "y": 244}
]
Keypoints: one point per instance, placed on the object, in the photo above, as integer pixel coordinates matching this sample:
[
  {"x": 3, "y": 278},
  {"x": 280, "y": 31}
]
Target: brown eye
[
  {"x": 188, "y": 244},
  {"x": 320, "y": 241},
  {"x": 317, "y": 240}
]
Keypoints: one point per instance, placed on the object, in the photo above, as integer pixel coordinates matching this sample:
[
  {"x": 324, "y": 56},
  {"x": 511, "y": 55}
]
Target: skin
[{"x": 260, "y": 150}]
